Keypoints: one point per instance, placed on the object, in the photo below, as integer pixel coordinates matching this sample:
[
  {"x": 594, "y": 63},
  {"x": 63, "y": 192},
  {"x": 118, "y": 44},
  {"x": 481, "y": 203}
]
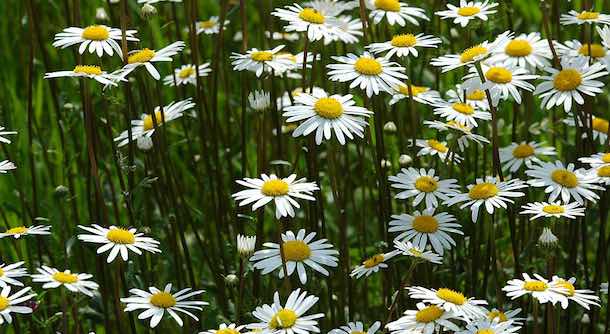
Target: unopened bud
[
  {"x": 148, "y": 10},
  {"x": 405, "y": 159},
  {"x": 389, "y": 127}
]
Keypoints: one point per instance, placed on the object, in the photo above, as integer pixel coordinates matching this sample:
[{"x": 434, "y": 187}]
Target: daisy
[
  {"x": 245, "y": 245},
  {"x": 583, "y": 298},
  {"x": 470, "y": 55},
  {"x": 298, "y": 251},
  {"x": 474, "y": 97},
  {"x": 574, "y": 17},
  {"x": 502, "y": 316},
  {"x": 423, "y": 185},
  {"x": 323, "y": 114},
  {"x": 460, "y": 112},
  {"x": 210, "y": 26},
  {"x": 316, "y": 24},
  {"x": 405, "y": 44},
  {"x": 145, "y": 126},
  {"x": 6, "y": 166},
  {"x": 53, "y": 278},
  {"x": 225, "y": 329},
  {"x": 515, "y": 155},
  {"x": 97, "y": 38},
  {"x": 287, "y": 319},
  {"x": 18, "y": 232},
  {"x": 373, "y": 264},
  {"x": 146, "y": 57},
  {"x": 356, "y": 327},
  {"x": 434, "y": 147},
  {"x": 468, "y": 10},
  {"x": 87, "y": 71},
  {"x": 529, "y": 51},
  {"x": 408, "y": 249},
  {"x": 156, "y": 302},
  {"x": 395, "y": 12},
  {"x": 331, "y": 7},
  {"x": 427, "y": 319},
  {"x": 501, "y": 81},
  {"x": 14, "y": 303},
  {"x": 491, "y": 192},
  {"x": 257, "y": 61},
  {"x": 575, "y": 78},
  {"x": 367, "y": 72},
  {"x": 604, "y": 33},
  {"x": 490, "y": 326},
  {"x": 8, "y": 273},
  {"x": 553, "y": 209},
  {"x": 281, "y": 191},
  {"x": 596, "y": 160},
  {"x": 547, "y": 238},
  {"x": 592, "y": 52},
  {"x": 4, "y": 133},
  {"x": 259, "y": 100},
  {"x": 423, "y": 95},
  {"x": 347, "y": 30},
  {"x": 450, "y": 301},
  {"x": 187, "y": 74},
  {"x": 539, "y": 287},
  {"x": 118, "y": 240},
  {"x": 565, "y": 181},
  {"x": 463, "y": 132},
  {"x": 426, "y": 227}
]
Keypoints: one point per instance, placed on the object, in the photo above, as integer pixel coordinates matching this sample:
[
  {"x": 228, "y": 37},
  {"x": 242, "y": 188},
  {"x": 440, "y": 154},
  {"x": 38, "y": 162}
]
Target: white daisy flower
[
  {"x": 529, "y": 51},
  {"x": 515, "y": 155},
  {"x": 14, "y": 303},
  {"x": 97, "y": 38},
  {"x": 408, "y": 249},
  {"x": 468, "y": 10},
  {"x": 210, "y": 26},
  {"x": 53, "y": 278},
  {"x": 553, "y": 209},
  {"x": 373, "y": 264},
  {"x": 87, "y": 71},
  {"x": 470, "y": 55},
  {"x": 599, "y": 127},
  {"x": 502, "y": 316},
  {"x": 156, "y": 302},
  {"x": 423, "y": 185},
  {"x": 565, "y": 181},
  {"x": 547, "y": 238},
  {"x": 584, "y": 298},
  {"x": 604, "y": 33},
  {"x": 463, "y": 132},
  {"x": 421, "y": 94},
  {"x": 6, "y": 166},
  {"x": 8, "y": 273},
  {"x": 145, "y": 127},
  {"x": 187, "y": 74},
  {"x": 590, "y": 17},
  {"x": 146, "y": 57},
  {"x": 257, "y": 61},
  {"x": 118, "y": 240},
  {"x": 490, "y": 326},
  {"x": 491, "y": 192},
  {"x": 331, "y": 7},
  {"x": 225, "y": 329},
  {"x": 245, "y": 245},
  {"x": 474, "y": 97},
  {"x": 502, "y": 81},
  {"x": 281, "y": 191},
  {"x": 4, "y": 133},
  {"x": 367, "y": 72},
  {"x": 259, "y": 100},
  {"x": 323, "y": 114},
  {"x": 395, "y": 12},
  {"x": 538, "y": 287},
  {"x": 592, "y": 52},
  {"x": 356, "y": 327},
  {"x": 315, "y": 23},
  {"x": 427, "y": 319},
  {"x": 596, "y": 160},
  {"x": 403, "y": 45},
  {"x": 434, "y": 147},
  {"x": 460, "y": 112},
  {"x": 347, "y": 29},
  {"x": 298, "y": 251},
  {"x": 450, "y": 301},
  {"x": 18, "y": 232}
]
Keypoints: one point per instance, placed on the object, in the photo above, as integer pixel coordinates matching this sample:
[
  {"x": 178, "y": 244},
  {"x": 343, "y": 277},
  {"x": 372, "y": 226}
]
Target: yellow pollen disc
[
  {"x": 388, "y": 5},
  {"x": 95, "y": 33},
  {"x": 312, "y": 16},
  {"x": 261, "y": 56},
  {"x": 88, "y": 69},
  {"x": 570, "y": 289},
  {"x": 368, "y": 66},
  {"x": 518, "y": 48},
  {"x": 459, "y": 125},
  {"x": 438, "y": 146},
  {"x": 451, "y": 296},
  {"x": 1, "y": 272},
  {"x": 476, "y": 95},
  {"x": 207, "y": 24},
  {"x": 17, "y": 230},
  {"x": 4, "y": 303},
  {"x": 567, "y": 79},
  {"x": 584, "y": 15},
  {"x": 523, "y": 151},
  {"x": 426, "y": 184},
  {"x": 373, "y": 261},
  {"x": 485, "y": 331},
  {"x": 415, "y": 90},
  {"x": 603, "y": 171},
  {"x": 404, "y": 40},
  {"x": 463, "y": 108},
  {"x": 499, "y": 75},
  {"x": 296, "y": 250},
  {"x": 597, "y": 51},
  {"x": 425, "y": 224},
  {"x": 358, "y": 332},
  {"x": 65, "y": 277},
  {"x": 227, "y": 331},
  {"x": 483, "y": 191},
  {"x": 186, "y": 72},
  {"x": 553, "y": 209},
  {"x": 535, "y": 286},
  {"x": 606, "y": 158},
  {"x": 600, "y": 124},
  {"x": 469, "y": 11},
  {"x": 497, "y": 315},
  {"x": 284, "y": 318},
  {"x": 429, "y": 314},
  {"x": 469, "y": 54},
  {"x": 148, "y": 120},
  {"x": 274, "y": 188},
  {"x": 565, "y": 178},
  {"x": 163, "y": 300},
  {"x": 415, "y": 252},
  {"x": 120, "y": 236},
  {"x": 141, "y": 56},
  {"x": 328, "y": 107}
]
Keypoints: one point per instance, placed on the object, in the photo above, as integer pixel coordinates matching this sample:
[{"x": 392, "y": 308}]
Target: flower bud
[
  {"x": 100, "y": 14},
  {"x": 405, "y": 159},
  {"x": 148, "y": 10},
  {"x": 144, "y": 143},
  {"x": 389, "y": 127}
]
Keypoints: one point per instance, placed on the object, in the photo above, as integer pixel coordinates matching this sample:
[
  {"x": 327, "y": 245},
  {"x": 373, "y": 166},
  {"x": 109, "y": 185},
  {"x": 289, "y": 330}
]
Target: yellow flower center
[
  {"x": 296, "y": 250},
  {"x": 17, "y": 230},
  {"x": 4, "y": 303},
  {"x": 438, "y": 146},
  {"x": 207, "y": 24},
  {"x": 426, "y": 184},
  {"x": 284, "y": 318},
  {"x": 476, "y": 95},
  {"x": 425, "y": 224},
  {"x": 497, "y": 315},
  {"x": 163, "y": 299},
  {"x": 388, "y": 5},
  {"x": 312, "y": 16},
  {"x": 415, "y": 252},
  {"x": 600, "y": 124},
  {"x": 569, "y": 287},
  {"x": 373, "y": 261},
  {"x": 483, "y": 191},
  {"x": 328, "y": 107},
  {"x": 65, "y": 277},
  {"x": 523, "y": 151},
  {"x": 368, "y": 66},
  {"x": 429, "y": 314},
  {"x": 567, "y": 79},
  {"x": 565, "y": 178},
  {"x": 606, "y": 158},
  {"x": 148, "y": 120},
  {"x": 486, "y": 331},
  {"x": 415, "y": 90},
  {"x": 358, "y": 332},
  {"x": 88, "y": 69},
  {"x": 227, "y": 331},
  {"x": 95, "y": 33},
  {"x": 120, "y": 236},
  {"x": 141, "y": 56},
  {"x": 186, "y": 72},
  {"x": 518, "y": 48},
  {"x": 261, "y": 56},
  {"x": 470, "y": 53},
  {"x": 603, "y": 171},
  {"x": 553, "y": 209},
  {"x": 597, "y": 51},
  {"x": 463, "y": 108},
  {"x": 274, "y": 188},
  {"x": 459, "y": 125},
  {"x": 469, "y": 11},
  {"x": 584, "y": 15},
  {"x": 535, "y": 286},
  {"x": 1, "y": 272},
  {"x": 499, "y": 75},
  {"x": 451, "y": 296},
  {"x": 404, "y": 40}
]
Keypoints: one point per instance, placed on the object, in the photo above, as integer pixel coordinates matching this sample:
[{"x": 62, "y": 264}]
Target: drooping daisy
[
  {"x": 421, "y": 94},
  {"x": 590, "y": 17},
  {"x": 87, "y": 71},
  {"x": 373, "y": 264},
  {"x": 470, "y": 55},
  {"x": 584, "y": 298},
  {"x": 145, "y": 127},
  {"x": 502, "y": 316},
  {"x": 367, "y": 72},
  {"x": 502, "y": 81},
  {"x": 118, "y": 240},
  {"x": 529, "y": 51},
  {"x": 299, "y": 251},
  {"x": 146, "y": 57},
  {"x": 538, "y": 287},
  {"x": 186, "y": 74},
  {"x": 565, "y": 181},
  {"x": 395, "y": 12},
  {"x": 14, "y": 303},
  {"x": 315, "y": 23},
  {"x": 468, "y": 10},
  {"x": 427, "y": 319},
  {"x": 210, "y": 26},
  {"x": 257, "y": 61},
  {"x": 6, "y": 166},
  {"x": 289, "y": 318},
  {"x": 282, "y": 191},
  {"x": 97, "y": 38},
  {"x": 486, "y": 326},
  {"x": 259, "y": 100},
  {"x": 53, "y": 278},
  {"x": 156, "y": 302},
  {"x": 245, "y": 245},
  {"x": 575, "y": 78},
  {"x": 356, "y": 327},
  {"x": 547, "y": 238},
  {"x": 553, "y": 209},
  {"x": 403, "y": 45},
  {"x": 463, "y": 133},
  {"x": 491, "y": 192},
  {"x": 423, "y": 185},
  {"x": 225, "y": 329},
  {"x": 474, "y": 97},
  {"x": 18, "y": 232},
  {"x": 323, "y": 114},
  {"x": 408, "y": 249},
  {"x": 426, "y": 227},
  {"x": 515, "y": 155},
  {"x": 450, "y": 301},
  {"x": 8, "y": 273},
  {"x": 593, "y": 52},
  {"x": 434, "y": 147},
  {"x": 4, "y": 133},
  {"x": 460, "y": 112}
]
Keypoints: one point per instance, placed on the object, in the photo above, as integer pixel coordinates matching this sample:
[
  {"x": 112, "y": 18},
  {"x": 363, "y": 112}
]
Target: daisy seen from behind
[
  {"x": 118, "y": 240},
  {"x": 423, "y": 186},
  {"x": 74, "y": 282}
]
